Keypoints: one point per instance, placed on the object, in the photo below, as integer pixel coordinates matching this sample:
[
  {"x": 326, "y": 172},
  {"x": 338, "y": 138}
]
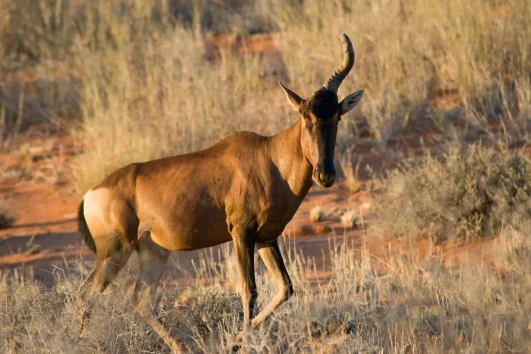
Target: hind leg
[
  {"x": 152, "y": 260},
  {"x": 106, "y": 269}
]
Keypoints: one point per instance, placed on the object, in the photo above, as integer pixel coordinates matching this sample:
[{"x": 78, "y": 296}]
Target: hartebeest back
[{"x": 244, "y": 189}]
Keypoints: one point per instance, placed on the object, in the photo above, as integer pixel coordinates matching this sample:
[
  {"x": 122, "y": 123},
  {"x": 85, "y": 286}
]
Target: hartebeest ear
[
  {"x": 350, "y": 101},
  {"x": 293, "y": 98}
]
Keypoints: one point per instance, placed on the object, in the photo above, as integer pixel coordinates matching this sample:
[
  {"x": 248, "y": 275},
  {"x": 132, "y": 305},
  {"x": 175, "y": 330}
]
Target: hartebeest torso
[
  {"x": 192, "y": 201},
  {"x": 245, "y": 189}
]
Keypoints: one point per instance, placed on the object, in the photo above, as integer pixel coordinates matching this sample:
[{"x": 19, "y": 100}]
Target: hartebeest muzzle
[
  {"x": 324, "y": 172},
  {"x": 324, "y": 178}
]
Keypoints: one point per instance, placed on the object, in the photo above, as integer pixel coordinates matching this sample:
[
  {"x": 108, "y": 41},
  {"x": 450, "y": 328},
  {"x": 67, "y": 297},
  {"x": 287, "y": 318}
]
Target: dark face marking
[
  {"x": 322, "y": 105},
  {"x": 321, "y": 116}
]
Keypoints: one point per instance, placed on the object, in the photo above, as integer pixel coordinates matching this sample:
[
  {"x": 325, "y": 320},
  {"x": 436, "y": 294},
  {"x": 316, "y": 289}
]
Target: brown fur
[{"x": 245, "y": 189}]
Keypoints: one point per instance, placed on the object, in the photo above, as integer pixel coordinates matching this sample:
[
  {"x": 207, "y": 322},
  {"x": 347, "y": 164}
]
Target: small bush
[
  {"x": 6, "y": 218},
  {"x": 349, "y": 219},
  {"x": 317, "y": 214},
  {"x": 513, "y": 249},
  {"x": 465, "y": 194}
]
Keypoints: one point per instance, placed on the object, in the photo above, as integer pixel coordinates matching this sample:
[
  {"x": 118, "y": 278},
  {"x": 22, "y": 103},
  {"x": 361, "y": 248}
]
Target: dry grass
[
  {"x": 138, "y": 107},
  {"x": 164, "y": 109},
  {"x": 144, "y": 89},
  {"x": 475, "y": 49},
  {"x": 416, "y": 306},
  {"x": 148, "y": 90}
]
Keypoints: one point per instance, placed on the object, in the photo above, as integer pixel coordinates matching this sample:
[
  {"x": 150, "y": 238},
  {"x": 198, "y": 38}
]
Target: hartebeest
[{"x": 244, "y": 189}]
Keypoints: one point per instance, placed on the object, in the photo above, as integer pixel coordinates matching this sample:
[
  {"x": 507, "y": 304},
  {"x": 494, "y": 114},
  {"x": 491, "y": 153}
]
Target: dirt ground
[{"x": 44, "y": 237}]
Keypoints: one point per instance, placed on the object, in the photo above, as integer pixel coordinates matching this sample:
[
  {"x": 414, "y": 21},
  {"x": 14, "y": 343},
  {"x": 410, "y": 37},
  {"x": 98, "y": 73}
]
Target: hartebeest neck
[{"x": 287, "y": 154}]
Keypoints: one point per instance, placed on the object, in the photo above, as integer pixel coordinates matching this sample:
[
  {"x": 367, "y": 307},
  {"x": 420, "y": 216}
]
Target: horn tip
[
  {"x": 347, "y": 44},
  {"x": 343, "y": 36}
]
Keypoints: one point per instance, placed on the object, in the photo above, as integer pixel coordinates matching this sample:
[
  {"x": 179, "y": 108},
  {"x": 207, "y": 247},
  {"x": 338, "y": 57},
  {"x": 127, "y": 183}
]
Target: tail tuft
[{"x": 83, "y": 228}]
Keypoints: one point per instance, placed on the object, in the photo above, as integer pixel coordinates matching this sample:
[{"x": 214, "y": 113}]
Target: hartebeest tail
[
  {"x": 245, "y": 189},
  {"x": 83, "y": 229}
]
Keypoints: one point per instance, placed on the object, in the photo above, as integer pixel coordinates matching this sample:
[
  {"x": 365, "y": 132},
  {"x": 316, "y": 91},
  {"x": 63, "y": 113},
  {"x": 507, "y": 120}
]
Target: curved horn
[{"x": 333, "y": 82}]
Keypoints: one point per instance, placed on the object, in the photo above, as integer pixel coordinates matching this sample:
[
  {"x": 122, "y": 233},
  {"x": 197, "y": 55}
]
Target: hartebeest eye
[{"x": 306, "y": 117}]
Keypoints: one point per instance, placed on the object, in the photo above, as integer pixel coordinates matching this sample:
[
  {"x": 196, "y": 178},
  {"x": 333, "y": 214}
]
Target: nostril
[{"x": 326, "y": 178}]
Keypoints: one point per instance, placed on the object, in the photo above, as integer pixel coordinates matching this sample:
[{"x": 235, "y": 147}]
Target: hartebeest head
[{"x": 320, "y": 114}]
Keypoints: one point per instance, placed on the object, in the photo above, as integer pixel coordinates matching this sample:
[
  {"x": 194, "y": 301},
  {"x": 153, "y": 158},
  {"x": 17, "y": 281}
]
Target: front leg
[
  {"x": 244, "y": 241},
  {"x": 270, "y": 253}
]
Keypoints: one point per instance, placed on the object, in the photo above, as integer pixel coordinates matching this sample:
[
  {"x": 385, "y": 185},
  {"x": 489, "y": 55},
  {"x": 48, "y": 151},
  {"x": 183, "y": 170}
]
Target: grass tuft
[
  {"x": 317, "y": 214},
  {"x": 349, "y": 219}
]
